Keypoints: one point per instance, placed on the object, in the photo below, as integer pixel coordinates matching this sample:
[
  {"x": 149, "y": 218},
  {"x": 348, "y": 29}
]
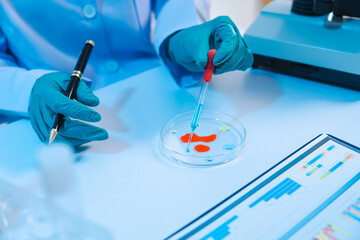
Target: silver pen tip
[
  {"x": 53, "y": 134},
  {"x": 91, "y": 42}
]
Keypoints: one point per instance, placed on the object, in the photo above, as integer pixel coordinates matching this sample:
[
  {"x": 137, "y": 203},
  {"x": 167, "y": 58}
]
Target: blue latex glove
[
  {"x": 189, "y": 47},
  {"x": 47, "y": 99}
]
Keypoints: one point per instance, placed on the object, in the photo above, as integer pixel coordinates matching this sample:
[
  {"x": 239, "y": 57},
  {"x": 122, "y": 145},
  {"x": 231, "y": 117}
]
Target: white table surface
[{"x": 127, "y": 187}]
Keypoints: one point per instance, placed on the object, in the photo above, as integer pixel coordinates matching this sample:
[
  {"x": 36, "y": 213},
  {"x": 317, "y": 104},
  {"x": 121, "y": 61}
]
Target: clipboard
[{"x": 311, "y": 194}]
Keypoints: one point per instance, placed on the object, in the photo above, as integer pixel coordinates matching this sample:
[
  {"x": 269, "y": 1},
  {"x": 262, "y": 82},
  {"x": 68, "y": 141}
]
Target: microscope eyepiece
[
  {"x": 312, "y": 7},
  {"x": 303, "y": 7},
  {"x": 350, "y": 8}
]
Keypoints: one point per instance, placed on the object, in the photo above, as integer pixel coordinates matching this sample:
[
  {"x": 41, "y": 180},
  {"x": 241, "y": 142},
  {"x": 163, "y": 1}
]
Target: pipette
[{"x": 209, "y": 69}]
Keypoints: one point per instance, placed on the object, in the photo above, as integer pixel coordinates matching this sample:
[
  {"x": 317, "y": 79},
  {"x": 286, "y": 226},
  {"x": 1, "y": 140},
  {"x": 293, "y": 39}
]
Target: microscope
[{"x": 312, "y": 39}]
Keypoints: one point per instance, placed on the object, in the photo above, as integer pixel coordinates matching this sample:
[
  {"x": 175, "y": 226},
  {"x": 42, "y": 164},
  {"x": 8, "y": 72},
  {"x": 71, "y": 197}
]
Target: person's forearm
[{"x": 16, "y": 84}]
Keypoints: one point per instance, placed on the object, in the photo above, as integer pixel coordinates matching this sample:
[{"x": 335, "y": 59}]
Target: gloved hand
[
  {"x": 189, "y": 47},
  {"x": 48, "y": 98}
]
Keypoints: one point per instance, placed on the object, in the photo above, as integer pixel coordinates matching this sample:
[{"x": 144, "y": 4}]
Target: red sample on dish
[
  {"x": 202, "y": 148},
  {"x": 197, "y": 138}
]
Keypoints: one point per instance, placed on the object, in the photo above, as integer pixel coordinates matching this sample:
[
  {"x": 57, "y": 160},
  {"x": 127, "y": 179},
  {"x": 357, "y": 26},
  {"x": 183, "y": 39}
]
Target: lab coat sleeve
[
  {"x": 15, "y": 82},
  {"x": 172, "y": 16}
]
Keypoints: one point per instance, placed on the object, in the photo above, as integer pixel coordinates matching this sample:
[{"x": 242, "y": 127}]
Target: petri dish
[{"x": 218, "y": 139}]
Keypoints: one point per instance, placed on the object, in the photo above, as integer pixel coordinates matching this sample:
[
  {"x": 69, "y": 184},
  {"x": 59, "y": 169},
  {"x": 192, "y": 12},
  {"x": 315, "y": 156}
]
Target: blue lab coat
[{"x": 40, "y": 36}]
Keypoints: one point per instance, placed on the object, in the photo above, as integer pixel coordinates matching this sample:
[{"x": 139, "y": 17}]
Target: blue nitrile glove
[
  {"x": 48, "y": 98},
  {"x": 189, "y": 47}
]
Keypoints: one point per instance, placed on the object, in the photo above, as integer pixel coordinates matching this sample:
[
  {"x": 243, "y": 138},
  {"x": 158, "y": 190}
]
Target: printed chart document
[{"x": 312, "y": 194}]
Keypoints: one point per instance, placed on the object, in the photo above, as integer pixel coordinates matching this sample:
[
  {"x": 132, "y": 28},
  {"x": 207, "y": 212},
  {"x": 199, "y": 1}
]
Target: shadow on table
[
  {"x": 111, "y": 121},
  {"x": 248, "y": 92}
]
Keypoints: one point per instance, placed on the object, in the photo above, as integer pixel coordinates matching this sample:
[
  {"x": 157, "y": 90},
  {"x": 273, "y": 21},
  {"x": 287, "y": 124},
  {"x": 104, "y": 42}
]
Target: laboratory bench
[{"x": 127, "y": 185}]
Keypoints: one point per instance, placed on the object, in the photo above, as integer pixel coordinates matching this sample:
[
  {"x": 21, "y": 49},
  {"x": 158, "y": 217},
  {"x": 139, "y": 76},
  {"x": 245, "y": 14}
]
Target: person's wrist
[{"x": 168, "y": 51}]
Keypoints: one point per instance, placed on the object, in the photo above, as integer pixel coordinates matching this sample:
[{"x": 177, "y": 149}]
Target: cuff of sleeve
[
  {"x": 174, "y": 16},
  {"x": 17, "y": 85}
]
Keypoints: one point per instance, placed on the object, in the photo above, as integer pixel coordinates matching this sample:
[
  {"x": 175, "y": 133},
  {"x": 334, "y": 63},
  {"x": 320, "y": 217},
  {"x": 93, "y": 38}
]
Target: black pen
[{"x": 74, "y": 83}]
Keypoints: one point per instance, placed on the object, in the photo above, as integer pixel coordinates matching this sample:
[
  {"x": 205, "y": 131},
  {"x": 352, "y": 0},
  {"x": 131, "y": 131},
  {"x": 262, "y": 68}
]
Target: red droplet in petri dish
[
  {"x": 197, "y": 138},
  {"x": 202, "y": 148}
]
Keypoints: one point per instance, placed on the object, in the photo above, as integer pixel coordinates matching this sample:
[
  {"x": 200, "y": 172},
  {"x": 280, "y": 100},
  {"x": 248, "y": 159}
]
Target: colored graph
[
  {"x": 346, "y": 226},
  {"x": 287, "y": 186},
  {"x": 221, "y": 232},
  {"x": 314, "y": 170},
  {"x": 330, "y": 232},
  {"x": 336, "y": 167},
  {"x": 312, "y": 161},
  {"x": 352, "y": 212}
]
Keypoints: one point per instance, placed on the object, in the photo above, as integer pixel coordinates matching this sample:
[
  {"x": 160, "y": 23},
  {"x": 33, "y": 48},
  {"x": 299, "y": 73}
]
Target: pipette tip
[{"x": 189, "y": 142}]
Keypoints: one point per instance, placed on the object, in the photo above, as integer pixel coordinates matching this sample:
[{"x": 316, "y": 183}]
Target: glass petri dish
[{"x": 218, "y": 139}]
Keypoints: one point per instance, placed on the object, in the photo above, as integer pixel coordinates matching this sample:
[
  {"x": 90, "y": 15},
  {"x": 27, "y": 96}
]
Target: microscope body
[{"x": 322, "y": 46}]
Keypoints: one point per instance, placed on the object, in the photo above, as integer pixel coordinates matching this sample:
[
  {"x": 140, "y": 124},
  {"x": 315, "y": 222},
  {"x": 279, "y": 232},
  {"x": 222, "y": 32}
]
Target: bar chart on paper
[
  {"x": 286, "y": 202},
  {"x": 340, "y": 221},
  {"x": 352, "y": 213},
  {"x": 327, "y": 162},
  {"x": 336, "y": 166},
  {"x": 318, "y": 157},
  {"x": 287, "y": 186},
  {"x": 227, "y": 230}
]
